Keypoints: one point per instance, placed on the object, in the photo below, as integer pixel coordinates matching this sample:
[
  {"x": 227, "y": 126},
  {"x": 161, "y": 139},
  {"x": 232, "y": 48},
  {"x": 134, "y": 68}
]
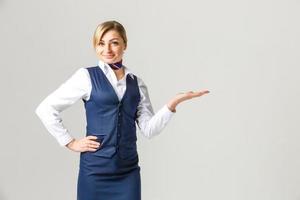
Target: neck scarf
[{"x": 116, "y": 65}]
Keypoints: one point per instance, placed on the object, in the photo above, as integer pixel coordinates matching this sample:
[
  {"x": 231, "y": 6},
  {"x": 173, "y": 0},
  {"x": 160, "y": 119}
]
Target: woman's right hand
[{"x": 85, "y": 144}]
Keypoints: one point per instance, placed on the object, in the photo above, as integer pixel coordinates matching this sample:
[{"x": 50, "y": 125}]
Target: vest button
[{"x": 119, "y": 114}]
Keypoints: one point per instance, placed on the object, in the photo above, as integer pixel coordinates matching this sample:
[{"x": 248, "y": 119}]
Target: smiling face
[{"x": 110, "y": 48}]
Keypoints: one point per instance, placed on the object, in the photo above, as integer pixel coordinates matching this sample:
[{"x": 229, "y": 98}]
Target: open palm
[
  {"x": 189, "y": 95},
  {"x": 183, "y": 96}
]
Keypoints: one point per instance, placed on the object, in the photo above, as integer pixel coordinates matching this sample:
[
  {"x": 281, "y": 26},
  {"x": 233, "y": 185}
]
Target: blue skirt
[{"x": 112, "y": 178}]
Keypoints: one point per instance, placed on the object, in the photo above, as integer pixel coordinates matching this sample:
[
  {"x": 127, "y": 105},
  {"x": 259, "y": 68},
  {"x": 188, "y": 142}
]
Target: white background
[{"x": 240, "y": 142}]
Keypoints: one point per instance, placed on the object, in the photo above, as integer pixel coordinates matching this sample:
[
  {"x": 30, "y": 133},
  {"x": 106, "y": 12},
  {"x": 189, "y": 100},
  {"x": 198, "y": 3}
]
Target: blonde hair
[{"x": 107, "y": 26}]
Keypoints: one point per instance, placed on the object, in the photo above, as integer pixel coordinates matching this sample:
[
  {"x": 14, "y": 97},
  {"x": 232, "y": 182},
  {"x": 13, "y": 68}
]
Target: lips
[{"x": 108, "y": 56}]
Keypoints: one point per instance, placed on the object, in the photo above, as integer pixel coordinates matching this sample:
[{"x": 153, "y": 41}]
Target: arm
[
  {"x": 151, "y": 123},
  {"x": 75, "y": 88}
]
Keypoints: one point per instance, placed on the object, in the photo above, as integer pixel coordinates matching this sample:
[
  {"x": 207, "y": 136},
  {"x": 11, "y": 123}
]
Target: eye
[
  {"x": 101, "y": 44},
  {"x": 115, "y": 43}
]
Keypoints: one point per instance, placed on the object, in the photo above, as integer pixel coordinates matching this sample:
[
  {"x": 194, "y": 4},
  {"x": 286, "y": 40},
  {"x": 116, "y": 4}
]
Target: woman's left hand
[{"x": 183, "y": 96}]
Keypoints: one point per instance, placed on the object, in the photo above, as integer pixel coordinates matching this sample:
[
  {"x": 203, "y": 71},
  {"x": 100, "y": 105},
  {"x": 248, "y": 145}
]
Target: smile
[{"x": 108, "y": 56}]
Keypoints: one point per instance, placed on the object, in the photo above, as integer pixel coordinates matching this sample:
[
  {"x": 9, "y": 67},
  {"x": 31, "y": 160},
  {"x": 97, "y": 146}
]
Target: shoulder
[
  {"x": 79, "y": 78},
  {"x": 81, "y": 73},
  {"x": 140, "y": 82},
  {"x": 89, "y": 69}
]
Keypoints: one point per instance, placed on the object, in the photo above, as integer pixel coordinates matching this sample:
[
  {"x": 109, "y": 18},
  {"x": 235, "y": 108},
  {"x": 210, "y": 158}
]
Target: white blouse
[{"x": 79, "y": 86}]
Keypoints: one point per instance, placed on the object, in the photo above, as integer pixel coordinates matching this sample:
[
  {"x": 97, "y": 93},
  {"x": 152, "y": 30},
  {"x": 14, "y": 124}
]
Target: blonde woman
[{"x": 115, "y": 100}]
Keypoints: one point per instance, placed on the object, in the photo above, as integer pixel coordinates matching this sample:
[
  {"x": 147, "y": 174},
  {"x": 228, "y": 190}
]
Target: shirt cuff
[
  {"x": 168, "y": 113},
  {"x": 65, "y": 139}
]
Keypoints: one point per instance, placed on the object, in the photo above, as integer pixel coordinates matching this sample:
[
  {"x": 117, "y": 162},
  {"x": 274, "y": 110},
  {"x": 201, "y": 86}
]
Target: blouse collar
[{"x": 107, "y": 69}]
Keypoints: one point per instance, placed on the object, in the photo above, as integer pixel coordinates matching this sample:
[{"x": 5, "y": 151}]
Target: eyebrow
[{"x": 111, "y": 39}]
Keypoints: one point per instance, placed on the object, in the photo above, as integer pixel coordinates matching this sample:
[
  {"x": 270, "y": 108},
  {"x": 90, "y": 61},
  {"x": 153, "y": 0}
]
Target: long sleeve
[
  {"x": 77, "y": 87},
  {"x": 151, "y": 123}
]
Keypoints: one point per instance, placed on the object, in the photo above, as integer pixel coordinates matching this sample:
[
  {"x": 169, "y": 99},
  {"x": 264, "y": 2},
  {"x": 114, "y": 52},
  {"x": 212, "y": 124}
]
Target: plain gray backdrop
[{"x": 240, "y": 142}]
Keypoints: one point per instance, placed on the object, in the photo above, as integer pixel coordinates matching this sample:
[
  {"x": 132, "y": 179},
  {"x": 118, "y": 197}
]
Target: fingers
[
  {"x": 191, "y": 94},
  {"x": 85, "y": 144},
  {"x": 92, "y": 137},
  {"x": 199, "y": 93},
  {"x": 92, "y": 144},
  {"x": 204, "y": 91},
  {"x": 89, "y": 144}
]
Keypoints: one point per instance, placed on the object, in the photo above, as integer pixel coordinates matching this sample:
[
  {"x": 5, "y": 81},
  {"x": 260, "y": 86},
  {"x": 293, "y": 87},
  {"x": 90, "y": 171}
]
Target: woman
[{"x": 115, "y": 99}]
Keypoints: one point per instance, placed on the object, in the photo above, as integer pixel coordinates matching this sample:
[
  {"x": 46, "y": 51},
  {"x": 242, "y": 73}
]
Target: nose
[{"x": 107, "y": 48}]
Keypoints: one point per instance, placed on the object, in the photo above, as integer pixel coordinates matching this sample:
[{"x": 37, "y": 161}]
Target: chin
[{"x": 111, "y": 60}]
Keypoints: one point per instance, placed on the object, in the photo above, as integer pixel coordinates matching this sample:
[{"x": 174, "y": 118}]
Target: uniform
[{"x": 112, "y": 172}]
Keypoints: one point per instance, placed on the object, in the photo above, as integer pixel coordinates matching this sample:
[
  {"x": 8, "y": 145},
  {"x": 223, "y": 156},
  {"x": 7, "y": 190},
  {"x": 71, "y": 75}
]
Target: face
[{"x": 111, "y": 47}]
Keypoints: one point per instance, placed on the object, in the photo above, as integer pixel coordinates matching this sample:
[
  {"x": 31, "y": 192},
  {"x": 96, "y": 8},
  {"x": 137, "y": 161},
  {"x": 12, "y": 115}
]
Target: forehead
[{"x": 111, "y": 34}]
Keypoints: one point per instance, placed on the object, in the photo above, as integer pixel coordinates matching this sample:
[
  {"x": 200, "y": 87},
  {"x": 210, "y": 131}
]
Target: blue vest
[
  {"x": 112, "y": 172},
  {"x": 111, "y": 120}
]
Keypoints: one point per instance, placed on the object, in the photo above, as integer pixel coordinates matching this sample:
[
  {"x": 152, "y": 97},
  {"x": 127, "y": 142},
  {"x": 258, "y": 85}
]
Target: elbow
[
  {"x": 148, "y": 130},
  {"x": 149, "y": 134},
  {"x": 40, "y": 110}
]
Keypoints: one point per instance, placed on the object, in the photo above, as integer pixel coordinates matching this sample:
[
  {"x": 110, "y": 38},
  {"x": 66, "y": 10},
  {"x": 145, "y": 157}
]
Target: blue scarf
[{"x": 116, "y": 65}]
